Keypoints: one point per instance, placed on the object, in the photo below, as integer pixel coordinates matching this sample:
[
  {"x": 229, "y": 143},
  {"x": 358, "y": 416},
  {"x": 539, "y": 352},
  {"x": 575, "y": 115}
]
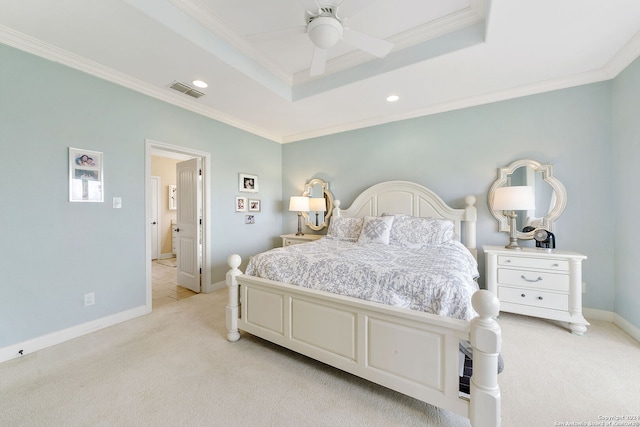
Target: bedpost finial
[
  {"x": 470, "y": 200},
  {"x": 485, "y": 303},
  {"x": 337, "y": 203},
  {"x": 234, "y": 261}
]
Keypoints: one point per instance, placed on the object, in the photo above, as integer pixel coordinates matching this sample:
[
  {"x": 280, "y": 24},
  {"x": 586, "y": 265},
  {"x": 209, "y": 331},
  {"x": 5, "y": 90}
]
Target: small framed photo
[
  {"x": 85, "y": 176},
  {"x": 247, "y": 183},
  {"x": 254, "y": 205},
  {"x": 241, "y": 204},
  {"x": 249, "y": 219}
]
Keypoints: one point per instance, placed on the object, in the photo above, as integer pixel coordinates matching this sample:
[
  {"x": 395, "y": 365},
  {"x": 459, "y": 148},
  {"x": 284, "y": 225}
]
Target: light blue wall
[
  {"x": 626, "y": 181},
  {"x": 458, "y": 153},
  {"x": 54, "y": 251}
]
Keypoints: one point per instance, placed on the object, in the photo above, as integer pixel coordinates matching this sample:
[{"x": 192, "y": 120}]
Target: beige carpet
[{"x": 174, "y": 368}]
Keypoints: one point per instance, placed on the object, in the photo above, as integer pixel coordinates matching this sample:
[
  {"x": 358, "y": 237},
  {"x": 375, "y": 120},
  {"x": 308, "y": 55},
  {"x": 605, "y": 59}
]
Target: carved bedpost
[
  {"x": 233, "y": 307},
  {"x": 336, "y": 210},
  {"x": 470, "y": 217},
  {"x": 486, "y": 341}
]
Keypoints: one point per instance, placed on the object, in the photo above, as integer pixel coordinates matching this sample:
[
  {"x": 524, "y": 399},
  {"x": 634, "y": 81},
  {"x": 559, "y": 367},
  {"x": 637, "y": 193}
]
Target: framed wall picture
[
  {"x": 241, "y": 204},
  {"x": 247, "y": 183},
  {"x": 86, "y": 181},
  {"x": 254, "y": 205},
  {"x": 172, "y": 197},
  {"x": 249, "y": 219}
]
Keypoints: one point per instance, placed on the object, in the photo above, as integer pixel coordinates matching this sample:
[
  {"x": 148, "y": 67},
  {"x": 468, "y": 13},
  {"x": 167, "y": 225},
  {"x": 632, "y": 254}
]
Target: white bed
[{"x": 412, "y": 352}]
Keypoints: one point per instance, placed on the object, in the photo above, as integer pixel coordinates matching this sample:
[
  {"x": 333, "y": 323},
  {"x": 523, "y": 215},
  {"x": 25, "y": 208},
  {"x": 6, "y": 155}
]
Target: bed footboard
[{"x": 411, "y": 352}]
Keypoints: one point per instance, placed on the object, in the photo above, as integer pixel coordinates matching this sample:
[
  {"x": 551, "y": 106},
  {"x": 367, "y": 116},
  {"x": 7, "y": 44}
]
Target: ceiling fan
[{"x": 325, "y": 29}]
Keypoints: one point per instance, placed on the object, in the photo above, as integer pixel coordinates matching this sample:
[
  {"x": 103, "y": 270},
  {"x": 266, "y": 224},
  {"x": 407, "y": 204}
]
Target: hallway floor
[{"x": 164, "y": 286}]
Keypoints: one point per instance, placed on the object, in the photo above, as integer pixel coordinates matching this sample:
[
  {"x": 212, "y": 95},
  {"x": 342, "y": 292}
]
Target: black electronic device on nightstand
[{"x": 544, "y": 239}]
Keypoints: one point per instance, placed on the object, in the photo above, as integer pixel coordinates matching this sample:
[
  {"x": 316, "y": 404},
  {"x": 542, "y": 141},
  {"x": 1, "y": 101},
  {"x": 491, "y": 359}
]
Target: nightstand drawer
[
  {"x": 527, "y": 262},
  {"x": 534, "y": 279},
  {"x": 289, "y": 242},
  {"x": 534, "y": 298}
]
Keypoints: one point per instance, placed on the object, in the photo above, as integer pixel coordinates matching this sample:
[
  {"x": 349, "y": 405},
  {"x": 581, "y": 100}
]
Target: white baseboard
[
  {"x": 597, "y": 314},
  {"x": 213, "y": 287},
  {"x": 616, "y": 319},
  {"x": 39, "y": 343},
  {"x": 626, "y": 326}
]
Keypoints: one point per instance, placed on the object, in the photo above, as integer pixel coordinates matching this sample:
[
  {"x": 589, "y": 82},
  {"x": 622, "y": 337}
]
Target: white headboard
[{"x": 394, "y": 197}]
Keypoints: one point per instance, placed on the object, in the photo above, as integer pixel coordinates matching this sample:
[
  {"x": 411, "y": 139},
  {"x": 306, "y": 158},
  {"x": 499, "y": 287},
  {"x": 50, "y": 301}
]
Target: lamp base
[
  {"x": 299, "y": 233},
  {"x": 513, "y": 245},
  {"x": 513, "y": 235}
]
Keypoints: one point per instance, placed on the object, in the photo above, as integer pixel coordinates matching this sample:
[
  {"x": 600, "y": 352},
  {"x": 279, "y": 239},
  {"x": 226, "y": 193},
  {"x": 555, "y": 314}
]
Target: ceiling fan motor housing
[{"x": 324, "y": 31}]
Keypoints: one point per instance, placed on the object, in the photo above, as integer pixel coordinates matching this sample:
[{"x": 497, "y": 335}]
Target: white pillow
[
  {"x": 415, "y": 232},
  {"x": 376, "y": 230},
  {"x": 345, "y": 229}
]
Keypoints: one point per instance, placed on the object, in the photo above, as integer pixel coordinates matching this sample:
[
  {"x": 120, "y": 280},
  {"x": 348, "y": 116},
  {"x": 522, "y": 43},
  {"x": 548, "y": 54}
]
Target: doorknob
[
  {"x": 177, "y": 230},
  {"x": 153, "y": 223}
]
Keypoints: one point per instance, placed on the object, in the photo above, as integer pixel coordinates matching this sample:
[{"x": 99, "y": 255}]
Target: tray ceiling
[{"x": 255, "y": 55}]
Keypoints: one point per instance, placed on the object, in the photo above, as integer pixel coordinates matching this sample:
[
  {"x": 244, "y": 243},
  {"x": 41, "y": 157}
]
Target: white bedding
[{"x": 437, "y": 279}]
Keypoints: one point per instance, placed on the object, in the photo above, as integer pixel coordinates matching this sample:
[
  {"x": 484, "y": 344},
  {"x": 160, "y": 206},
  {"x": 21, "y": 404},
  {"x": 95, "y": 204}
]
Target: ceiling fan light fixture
[{"x": 324, "y": 32}]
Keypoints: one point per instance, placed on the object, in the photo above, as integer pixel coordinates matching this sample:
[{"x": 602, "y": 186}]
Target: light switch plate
[{"x": 117, "y": 202}]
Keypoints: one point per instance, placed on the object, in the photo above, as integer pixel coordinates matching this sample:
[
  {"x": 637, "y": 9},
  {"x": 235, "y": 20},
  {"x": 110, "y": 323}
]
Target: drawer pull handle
[
  {"x": 531, "y": 280},
  {"x": 540, "y": 298},
  {"x": 522, "y": 295},
  {"x": 556, "y": 265}
]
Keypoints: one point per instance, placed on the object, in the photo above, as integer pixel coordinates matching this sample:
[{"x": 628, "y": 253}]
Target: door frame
[
  {"x": 155, "y": 243},
  {"x": 152, "y": 146}
]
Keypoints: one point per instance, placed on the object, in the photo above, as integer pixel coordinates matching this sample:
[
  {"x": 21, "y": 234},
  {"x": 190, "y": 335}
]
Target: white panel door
[
  {"x": 189, "y": 191},
  {"x": 155, "y": 221}
]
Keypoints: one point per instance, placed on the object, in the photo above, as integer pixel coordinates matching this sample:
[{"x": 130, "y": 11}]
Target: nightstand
[
  {"x": 292, "y": 239},
  {"x": 538, "y": 282}
]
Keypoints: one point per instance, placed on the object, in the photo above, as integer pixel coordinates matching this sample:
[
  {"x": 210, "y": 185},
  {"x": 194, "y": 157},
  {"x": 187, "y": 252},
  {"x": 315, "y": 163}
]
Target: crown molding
[
  {"x": 629, "y": 53},
  {"x": 474, "y": 101},
  {"x": 31, "y": 45},
  {"x": 206, "y": 17},
  {"x": 619, "y": 62}
]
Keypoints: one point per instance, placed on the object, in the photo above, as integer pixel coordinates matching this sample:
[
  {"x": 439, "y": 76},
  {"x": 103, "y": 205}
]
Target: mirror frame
[
  {"x": 547, "y": 175},
  {"x": 308, "y": 188}
]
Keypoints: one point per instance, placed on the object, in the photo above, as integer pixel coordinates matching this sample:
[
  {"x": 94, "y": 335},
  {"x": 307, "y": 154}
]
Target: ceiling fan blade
[
  {"x": 373, "y": 45},
  {"x": 318, "y": 61},
  {"x": 350, "y": 8},
  {"x": 310, "y": 5},
  {"x": 281, "y": 34}
]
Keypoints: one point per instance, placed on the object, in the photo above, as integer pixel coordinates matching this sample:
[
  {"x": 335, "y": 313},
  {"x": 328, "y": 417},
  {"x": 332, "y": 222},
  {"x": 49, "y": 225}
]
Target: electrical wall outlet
[{"x": 89, "y": 299}]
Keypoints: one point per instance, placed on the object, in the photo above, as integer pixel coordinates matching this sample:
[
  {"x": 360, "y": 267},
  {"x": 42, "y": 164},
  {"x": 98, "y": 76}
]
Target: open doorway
[{"x": 166, "y": 270}]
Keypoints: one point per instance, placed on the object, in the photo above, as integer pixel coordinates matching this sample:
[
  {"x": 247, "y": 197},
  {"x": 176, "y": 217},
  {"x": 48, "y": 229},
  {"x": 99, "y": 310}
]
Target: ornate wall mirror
[
  {"x": 551, "y": 197},
  {"x": 316, "y": 218}
]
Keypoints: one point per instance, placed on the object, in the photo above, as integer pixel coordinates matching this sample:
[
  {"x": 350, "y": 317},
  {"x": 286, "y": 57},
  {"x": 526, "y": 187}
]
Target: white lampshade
[
  {"x": 324, "y": 32},
  {"x": 317, "y": 204},
  {"x": 299, "y": 204},
  {"x": 517, "y": 198}
]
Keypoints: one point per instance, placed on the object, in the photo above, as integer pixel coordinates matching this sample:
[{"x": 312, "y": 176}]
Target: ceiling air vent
[{"x": 186, "y": 89}]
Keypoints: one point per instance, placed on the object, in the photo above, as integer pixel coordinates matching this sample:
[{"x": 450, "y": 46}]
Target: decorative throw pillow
[
  {"x": 415, "y": 232},
  {"x": 346, "y": 229},
  {"x": 376, "y": 229}
]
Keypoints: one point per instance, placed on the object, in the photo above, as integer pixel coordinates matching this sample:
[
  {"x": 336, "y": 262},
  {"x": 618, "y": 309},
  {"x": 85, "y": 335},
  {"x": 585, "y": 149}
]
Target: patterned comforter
[{"x": 439, "y": 279}]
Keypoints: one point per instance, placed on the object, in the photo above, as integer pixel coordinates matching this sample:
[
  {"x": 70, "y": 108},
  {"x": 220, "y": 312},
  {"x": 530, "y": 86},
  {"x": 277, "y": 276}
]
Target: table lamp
[
  {"x": 511, "y": 199},
  {"x": 299, "y": 204},
  {"x": 317, "y": 204}
]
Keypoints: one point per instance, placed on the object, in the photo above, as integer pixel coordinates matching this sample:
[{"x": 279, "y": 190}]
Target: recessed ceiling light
[
  {"x": 392, "y": 98},
  {"x": 199, "y": 83}
]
